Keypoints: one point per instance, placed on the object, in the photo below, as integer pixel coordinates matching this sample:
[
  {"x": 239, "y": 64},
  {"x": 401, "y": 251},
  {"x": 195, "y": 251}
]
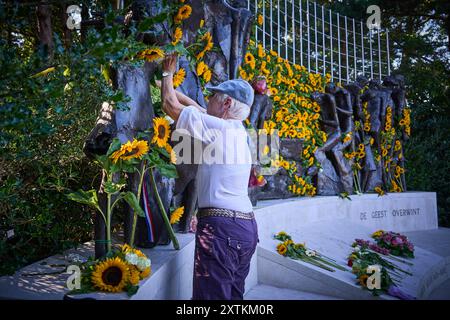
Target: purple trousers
[{"x": 223, "y": 250}]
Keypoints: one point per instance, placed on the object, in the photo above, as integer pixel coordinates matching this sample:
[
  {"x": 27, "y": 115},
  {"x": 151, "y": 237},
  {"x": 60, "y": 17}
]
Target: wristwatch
[{"x": 165, "y": 73}]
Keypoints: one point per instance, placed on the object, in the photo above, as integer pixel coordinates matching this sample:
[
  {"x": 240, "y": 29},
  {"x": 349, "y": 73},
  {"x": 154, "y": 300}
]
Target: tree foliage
[{"x": 47, "y": 108}]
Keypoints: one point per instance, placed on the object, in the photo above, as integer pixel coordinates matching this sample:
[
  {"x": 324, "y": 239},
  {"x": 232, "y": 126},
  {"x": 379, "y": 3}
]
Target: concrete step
[
  {"x": 265, "y": 292},
  {"x": 430, "y": 269}
]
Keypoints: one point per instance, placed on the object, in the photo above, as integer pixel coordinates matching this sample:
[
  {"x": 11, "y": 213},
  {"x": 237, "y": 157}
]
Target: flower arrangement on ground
[
  {"x": 365, "y": 262},
  {"x": 299, "y": 251},
  {"x": 120, "y": 270},
  {"x": 374, "y": 247}
]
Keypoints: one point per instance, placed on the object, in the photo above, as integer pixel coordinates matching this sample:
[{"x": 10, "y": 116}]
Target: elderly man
[{"x": 226, "y": 233}]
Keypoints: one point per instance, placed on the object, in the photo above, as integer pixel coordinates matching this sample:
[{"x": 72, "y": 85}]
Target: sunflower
[
  {"x": 173, "y": 155},
  {"x": 377, "y": 234},
  {"x": 207, "y": 39},
  {"x": 207, "y": 75},
  {"x": 363, "y": 280},
  {"x": 125, "y": 248},
  {"x": 201, "y": 68},
  {"x": 177, "y": 35},
  {"x": 282, "y": 249},
  {"x": 347, "y": 137},
  {"x": 261, "y": 51},
  {"x": 243, "y": 74},
  {"x": 183, "y": 13},
  {"x": 176, "y": 215},
  {"x": 260, "y": 19},
  {"x": 379, "y": 191},
  {"x": 273, "y": 91},
  {"x": 178, "y": 77},
  {"x": 151, "y": 54},
  {"x": 134, "y": 276},
  {"x": 250, "y": 60},
  {"x": 145, "y": 273},
  {"x": 110, "y": 275},
  {"x": 130, "y": 150},
  {"x": 161, "y": 131}
]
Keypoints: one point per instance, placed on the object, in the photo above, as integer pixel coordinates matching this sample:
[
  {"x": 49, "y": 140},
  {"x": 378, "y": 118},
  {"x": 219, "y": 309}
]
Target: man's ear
[{"x": 227, "y": 103}]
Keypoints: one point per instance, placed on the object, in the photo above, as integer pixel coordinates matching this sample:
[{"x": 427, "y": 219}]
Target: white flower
[
  {"x": 357, "y": 249},
  {"x": 132, "y": 258},
  {"x": 310, "y": 253},
  {"x": 143, "y": 263}
]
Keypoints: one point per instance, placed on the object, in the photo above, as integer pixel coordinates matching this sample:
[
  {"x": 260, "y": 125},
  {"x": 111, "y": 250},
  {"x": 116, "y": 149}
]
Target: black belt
[{"x": 219, "y": 212}]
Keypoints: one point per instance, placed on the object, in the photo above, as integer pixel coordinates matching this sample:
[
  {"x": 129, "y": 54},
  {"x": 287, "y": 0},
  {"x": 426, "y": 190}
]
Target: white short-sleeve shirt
[{"x": 224, "y": 168}]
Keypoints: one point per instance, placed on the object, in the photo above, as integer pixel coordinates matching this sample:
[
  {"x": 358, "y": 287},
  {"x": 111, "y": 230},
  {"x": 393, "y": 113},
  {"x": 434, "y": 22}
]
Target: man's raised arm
[
  {"x": 170, "y": 103},
  {"x": 184, "y": 99}
]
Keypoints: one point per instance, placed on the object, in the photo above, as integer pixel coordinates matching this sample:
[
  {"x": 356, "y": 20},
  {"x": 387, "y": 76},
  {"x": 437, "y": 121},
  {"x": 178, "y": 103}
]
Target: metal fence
[{"x": 308, "y": 34}]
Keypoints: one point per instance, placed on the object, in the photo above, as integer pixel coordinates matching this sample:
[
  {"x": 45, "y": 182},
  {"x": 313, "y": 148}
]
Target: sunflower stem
[
  {"x": 133, "y": 229},
  {"x": 108, "y": 221},
  {"x": 163, "y": 212}
]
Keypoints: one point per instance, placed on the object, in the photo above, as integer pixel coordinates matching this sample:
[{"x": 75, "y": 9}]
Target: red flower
[{"x": 350, "y": 263}]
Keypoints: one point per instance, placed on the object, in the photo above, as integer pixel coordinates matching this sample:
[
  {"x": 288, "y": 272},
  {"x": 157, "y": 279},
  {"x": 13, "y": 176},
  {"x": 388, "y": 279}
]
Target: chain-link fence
[{"x": 308, "y": 34}]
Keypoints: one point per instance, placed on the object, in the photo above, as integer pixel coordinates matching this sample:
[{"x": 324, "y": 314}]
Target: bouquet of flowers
[
  {"x": 299, "y": 251},
  {"x": 360, "y": 269},
  {"x": 398, "y": 244},
  {"x": 362, "y": 259},
  {"x": 120, "y": 270},
  {"x": 376, "y": 248},
  {"x": 363, "y": 253},
  {"x": 147, "y": 152}
]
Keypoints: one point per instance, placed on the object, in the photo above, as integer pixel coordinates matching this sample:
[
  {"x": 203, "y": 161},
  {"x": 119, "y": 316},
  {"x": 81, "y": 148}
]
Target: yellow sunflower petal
[
  {"x": 176, "y": 215},
  {"x": 161, "y": 132},
  {"x": 110, "y": 275}
]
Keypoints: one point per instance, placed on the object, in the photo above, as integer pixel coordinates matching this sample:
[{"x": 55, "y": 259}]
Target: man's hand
[
  {"x": 170, "y": 103},
  {"x": 169, "y": 63}
]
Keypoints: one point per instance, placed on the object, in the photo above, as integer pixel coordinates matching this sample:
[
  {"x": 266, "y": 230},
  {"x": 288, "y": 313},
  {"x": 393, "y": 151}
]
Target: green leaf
[
  {"x": 133, "y": 202},
  {"x": 130, "y": 165},
  {"x": 105, "y": 72},
  {"x": 148, "y": 22},
  {"x": 85, "y": 197},
  {"x": 153, "y": 158},
  {"x": 111, "y": 187},
  {"x": 142, "y": 136},
  {"x": 163, "y": 152},
  {"x": 131, "y": 290},
  {"x": 115, "y": 145},
  {"x": 168, "y": 170}
]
